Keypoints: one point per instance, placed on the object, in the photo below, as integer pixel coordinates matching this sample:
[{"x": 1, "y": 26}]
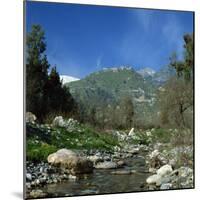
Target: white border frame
[{"x": 11, "y": 101}]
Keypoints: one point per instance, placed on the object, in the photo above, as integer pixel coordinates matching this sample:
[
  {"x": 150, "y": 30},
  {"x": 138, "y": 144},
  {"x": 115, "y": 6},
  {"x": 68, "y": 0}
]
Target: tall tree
[
  {"x": 176, "y": 102},
  {"x": 186, "y": 66},
  {"x": 36, "y": 71},
  {"x": 59, "y": 97}
]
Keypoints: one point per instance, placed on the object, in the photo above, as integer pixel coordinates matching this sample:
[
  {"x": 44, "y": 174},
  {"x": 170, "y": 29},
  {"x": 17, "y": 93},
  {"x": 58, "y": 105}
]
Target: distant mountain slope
[
  {"x": 108, "y": 86},
  {"x": 163, "y": 75},
  {"x": 145, "y": 72},
  {"x": 67, "y": 79}
]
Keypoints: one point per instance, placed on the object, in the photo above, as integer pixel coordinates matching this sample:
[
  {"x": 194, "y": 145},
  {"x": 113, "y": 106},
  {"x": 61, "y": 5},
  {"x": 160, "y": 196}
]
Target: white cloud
[
  {"x": 144, "y": 17},
  {"x": 172, "y": 32},
  {"x": 99, "y": 62}
]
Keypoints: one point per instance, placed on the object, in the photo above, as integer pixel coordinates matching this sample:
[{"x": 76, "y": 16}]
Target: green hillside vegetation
[{"x": 108, "y": 87}]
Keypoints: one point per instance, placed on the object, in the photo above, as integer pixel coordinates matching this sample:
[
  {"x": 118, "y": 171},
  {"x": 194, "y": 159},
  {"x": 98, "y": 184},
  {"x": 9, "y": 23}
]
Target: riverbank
[{"x": 66, "y": 158}]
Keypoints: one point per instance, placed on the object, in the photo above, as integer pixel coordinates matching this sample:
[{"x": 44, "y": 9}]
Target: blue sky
[{"x": 82, "y": 39}]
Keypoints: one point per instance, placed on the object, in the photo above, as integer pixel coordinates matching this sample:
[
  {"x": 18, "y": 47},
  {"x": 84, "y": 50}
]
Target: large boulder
[
  {"x": 69, "y": 161},
  {"x": 30, "y": 118},
  {"x": 164, "y": 170},
  {"x": 60, "y": 156}
]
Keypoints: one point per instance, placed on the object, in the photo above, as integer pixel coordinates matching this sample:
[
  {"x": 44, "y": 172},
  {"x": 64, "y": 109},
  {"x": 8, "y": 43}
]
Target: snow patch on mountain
[
  {"x": 67, "y": 79},
  {"x": 146, "y": 72}
]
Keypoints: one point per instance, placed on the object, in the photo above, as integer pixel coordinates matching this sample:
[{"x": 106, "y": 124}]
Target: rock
[
  {"x": 164, "y": 170},
  {"x": 106, "y": 165},
  {"x": 28, "y": 185},
  {"x": 70, "y": 124},
  {"x": 70, "y": 161},
  {"x": 60, "y": 156},
  {"x": 78, "y": 165},
  {"x": 120, "y": 163},
  {"x": 30, "y": 118},
  {"x": 133, "y": 171},
  {"x": 154, "y": 154},
  {"x": 37, "y": 181},
  {"x": 28, "y": 177},
  {"x": 37, "y": 194},
  {"x": 185, "y": 172},
  {"x": 58, "y": 121},
  {"x": 152, "y": 170},
  {"x": 95, "y": 158},
  {"x": 156, "y": 159},
  {"x": 166, "y": 186},
  {"x": 72, "y": 177},
  {"x": 163, "y": 180},
  {"x": 107, "y": 158},
  {"x": 154, "y": 179}
]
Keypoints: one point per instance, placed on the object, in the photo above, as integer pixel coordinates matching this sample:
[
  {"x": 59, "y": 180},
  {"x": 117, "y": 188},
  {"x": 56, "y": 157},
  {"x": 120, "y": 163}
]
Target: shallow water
[{"x": 102, "y": 181}]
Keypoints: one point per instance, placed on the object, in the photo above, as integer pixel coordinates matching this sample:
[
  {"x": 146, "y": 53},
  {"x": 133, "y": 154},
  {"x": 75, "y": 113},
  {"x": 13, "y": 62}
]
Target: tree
[
  {"x": 185, "y": 68},
  {"x": 175, "y": 100},
  {"x": 126, "y": 111},
  {"x": 44, "y": 94},
  {"x": 59, "y": 97},
  {"x": 36, "y": 71}
]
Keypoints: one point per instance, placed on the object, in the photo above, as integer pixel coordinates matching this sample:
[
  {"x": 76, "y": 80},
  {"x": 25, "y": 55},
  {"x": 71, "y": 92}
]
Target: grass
[
  {"x": 38, "y": 148},
  {"x": 38, "y": 151}
]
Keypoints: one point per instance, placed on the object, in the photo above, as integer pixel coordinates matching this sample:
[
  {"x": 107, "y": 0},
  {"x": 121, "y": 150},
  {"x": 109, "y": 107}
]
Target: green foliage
[
  {"x": 42, "y": 91},
  {"x": 65, "y": 102},
  {"x": 86, "y": 139},
  {"x": 176, "y": 101},
  {"x": 42, "y": 141},
  {"x": 185, "y": 68},
  {"x": 100, "y": 97},
  {"x": 36, "y": 71},
  {"x": 38, "y": 151}
]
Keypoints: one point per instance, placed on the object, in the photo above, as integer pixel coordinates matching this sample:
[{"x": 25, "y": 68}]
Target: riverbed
[{"x": 103, "y": 181}]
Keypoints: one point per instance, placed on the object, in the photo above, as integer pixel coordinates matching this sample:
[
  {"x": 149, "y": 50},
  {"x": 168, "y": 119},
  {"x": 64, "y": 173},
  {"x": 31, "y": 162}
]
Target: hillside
[{"x": 108, "y": 86}]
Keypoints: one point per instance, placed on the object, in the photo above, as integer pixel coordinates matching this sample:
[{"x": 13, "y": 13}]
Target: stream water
[{"x": 102, "y": 181}]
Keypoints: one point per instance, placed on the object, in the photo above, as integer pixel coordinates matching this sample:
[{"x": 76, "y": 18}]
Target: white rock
[
  {"x": 166, "y": 186},
  {"x": 153, "y": 179},
  {"x": 164, "y": 170},
  {"x": 30, "y": 118},
  {"x": 69, "y": 160},
  {"x": 154, "y": 153},
  {"x": 59, "y": 121},
  {"x": 60, "y": 156},
  {"x": 28, "y": 177},
  {"x": 106, "y": 165},
  {"x": 72, "y": 177}
]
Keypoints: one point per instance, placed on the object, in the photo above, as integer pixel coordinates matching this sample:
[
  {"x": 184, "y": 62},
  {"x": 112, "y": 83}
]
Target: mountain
[
  {"x": 67, "y": 79},
  {"x": 108, "y": 86},
  {"x": 145, "y": 72},
  {"x": 163, "y": 75}
]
